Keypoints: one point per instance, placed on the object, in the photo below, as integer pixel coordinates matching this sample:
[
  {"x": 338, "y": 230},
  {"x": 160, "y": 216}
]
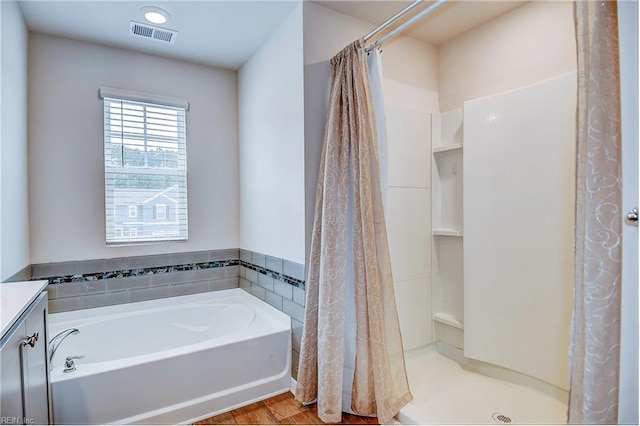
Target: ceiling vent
[{"x": 154, "y": 33}]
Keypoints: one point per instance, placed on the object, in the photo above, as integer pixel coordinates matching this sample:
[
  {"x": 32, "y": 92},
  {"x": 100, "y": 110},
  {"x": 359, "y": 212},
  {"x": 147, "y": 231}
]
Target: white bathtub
[{"x": 174, "y": 360}]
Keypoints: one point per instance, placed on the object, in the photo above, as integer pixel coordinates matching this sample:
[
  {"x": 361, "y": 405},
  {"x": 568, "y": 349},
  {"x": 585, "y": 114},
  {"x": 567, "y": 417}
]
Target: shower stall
[
  {"x": 480, "y": 220},
  {"x": 502, "y": 283},
  {"x": 480, "y": 174}
]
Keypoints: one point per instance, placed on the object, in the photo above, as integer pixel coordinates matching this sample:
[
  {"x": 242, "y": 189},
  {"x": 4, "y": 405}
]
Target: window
[
  {"x": 145, "y": 166},
  {"x": 133, "y": 211},
  {"x": 161, "y": 211}
]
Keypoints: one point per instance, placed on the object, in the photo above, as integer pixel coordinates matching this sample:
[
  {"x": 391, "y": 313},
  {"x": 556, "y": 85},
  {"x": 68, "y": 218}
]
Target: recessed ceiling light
[{"x": 155, "y": 15}]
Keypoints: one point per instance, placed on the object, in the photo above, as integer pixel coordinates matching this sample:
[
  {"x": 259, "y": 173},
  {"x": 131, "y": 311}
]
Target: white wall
[
  {"x": 326, "y": 32},
  {"x": 66, "y": 187},
  {"x": 14, "y": 225},
  {"x": 410, "y": 90},
  {"x": 271, "y": 114},
  {"x": 532, "y": 43}
]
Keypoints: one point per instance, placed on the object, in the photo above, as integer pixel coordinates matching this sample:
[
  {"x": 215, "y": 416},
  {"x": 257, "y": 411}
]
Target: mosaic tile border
[
  {"x": 160, "y": 270},
  {"x": 135, "y": 272},
  {"x": 274, "y": 274}
]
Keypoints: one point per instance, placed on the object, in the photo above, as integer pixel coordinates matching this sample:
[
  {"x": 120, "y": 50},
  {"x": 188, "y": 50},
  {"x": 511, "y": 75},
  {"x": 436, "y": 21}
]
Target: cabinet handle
[
  {"x": 31, "y": 340},
  {"x": 632, "y": 216}
]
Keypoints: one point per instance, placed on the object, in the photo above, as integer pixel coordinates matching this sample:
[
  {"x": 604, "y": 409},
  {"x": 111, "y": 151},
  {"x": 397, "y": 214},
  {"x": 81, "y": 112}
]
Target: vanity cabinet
[{"x": 24, "y": 393}]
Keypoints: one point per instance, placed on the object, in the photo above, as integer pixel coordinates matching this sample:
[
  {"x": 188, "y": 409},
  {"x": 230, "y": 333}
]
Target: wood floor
[{"x": 280, "y": 410}]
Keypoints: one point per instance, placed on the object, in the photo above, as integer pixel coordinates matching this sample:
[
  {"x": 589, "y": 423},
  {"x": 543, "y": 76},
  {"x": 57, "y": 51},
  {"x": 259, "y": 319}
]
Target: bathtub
[{"x": 174, "y": 360}]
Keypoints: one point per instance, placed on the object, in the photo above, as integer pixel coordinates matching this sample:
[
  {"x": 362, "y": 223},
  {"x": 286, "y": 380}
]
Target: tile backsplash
[
  {"x": 102, "y": 282},
  {"x": 281, "y": 284}
]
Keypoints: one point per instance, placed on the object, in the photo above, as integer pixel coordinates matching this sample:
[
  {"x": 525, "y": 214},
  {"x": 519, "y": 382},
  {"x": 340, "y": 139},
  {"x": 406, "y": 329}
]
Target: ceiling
[
  {"x": 225, "y": 33},
  {"x": 445, "y": 23},
  {"x": 219, "y": 33}
]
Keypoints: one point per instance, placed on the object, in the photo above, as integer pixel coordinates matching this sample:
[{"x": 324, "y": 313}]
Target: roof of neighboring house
[
  {"x": 165, "y": 193},
  {"x": 131, "y": 196}
]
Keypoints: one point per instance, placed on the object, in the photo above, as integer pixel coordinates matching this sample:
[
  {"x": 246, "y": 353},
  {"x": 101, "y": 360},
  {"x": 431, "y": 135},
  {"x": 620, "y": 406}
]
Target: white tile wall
[
  {"x": 409, "y": 232},
  {"x": 408, "y": 211},
  {"x": 413, "y": 298},
  {"x": 409, "y": 152}
]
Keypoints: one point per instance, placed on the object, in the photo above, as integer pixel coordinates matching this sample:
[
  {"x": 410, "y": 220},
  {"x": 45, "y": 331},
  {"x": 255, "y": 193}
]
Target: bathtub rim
[{"x": 196, "y": 297}]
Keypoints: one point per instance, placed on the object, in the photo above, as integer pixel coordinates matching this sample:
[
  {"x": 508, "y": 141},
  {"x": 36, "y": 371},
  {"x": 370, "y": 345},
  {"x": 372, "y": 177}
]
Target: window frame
[{"x": 174, "y": 141}]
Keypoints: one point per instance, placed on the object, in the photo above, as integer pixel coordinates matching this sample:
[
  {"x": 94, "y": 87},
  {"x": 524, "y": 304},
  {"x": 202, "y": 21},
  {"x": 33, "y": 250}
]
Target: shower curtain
[
  {"x": 374, "y": 61},
  {"x": 595, "y": 340},
  {"x": 349, "y": 250}
]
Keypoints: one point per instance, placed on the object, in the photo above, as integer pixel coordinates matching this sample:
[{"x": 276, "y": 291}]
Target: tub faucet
[{"x": 57, "y": 339}]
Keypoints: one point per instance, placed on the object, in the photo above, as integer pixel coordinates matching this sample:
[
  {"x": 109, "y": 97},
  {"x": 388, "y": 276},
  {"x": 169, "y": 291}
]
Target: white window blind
[{"x": 145, "y": 163}]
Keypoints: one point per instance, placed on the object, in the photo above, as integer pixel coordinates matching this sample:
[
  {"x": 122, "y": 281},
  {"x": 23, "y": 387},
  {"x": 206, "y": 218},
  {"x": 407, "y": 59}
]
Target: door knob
[{"x": 632, "y": 216}]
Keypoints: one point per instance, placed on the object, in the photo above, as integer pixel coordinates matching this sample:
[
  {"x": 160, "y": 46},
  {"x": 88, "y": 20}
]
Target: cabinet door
[
  {"x": 24, "y": 389},
  {"x": 11, "y": 407},
  {"x": 36, "y": 392}
]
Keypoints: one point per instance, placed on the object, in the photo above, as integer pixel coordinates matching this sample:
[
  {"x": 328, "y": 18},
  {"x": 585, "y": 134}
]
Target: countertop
[{"x": 15, "y": 298}]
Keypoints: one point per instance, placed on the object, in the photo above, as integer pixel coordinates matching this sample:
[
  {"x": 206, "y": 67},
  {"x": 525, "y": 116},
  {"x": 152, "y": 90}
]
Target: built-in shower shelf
[
  {"x": 447, "y": 319},
  {"x": 447, "y": 233},
  {"x": 447, "y": 148},
  {"x": 447, "y": 169}
]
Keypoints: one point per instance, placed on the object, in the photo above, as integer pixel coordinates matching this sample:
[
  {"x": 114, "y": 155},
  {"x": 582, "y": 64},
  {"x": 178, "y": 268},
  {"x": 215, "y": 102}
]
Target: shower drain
[{"x": 502, "y": 418}]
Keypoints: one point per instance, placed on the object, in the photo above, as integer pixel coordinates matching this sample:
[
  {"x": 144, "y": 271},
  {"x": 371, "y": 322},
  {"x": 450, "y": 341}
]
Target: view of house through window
[{"x": 145, "y": 172}]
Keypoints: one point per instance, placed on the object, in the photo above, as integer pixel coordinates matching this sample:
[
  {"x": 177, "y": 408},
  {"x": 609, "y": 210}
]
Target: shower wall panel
[
  {"x": 408, "y": 212},
  {"x": 518, "y": 216}
]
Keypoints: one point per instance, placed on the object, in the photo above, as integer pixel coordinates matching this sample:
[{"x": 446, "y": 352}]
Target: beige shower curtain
[
  {"x": 349, "y": 241},
  {"x": 595, "y": 344}
]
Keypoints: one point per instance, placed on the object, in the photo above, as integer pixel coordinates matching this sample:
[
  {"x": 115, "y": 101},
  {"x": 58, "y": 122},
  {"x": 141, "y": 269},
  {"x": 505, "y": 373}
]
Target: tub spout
[{"x": 57, "y": 339}]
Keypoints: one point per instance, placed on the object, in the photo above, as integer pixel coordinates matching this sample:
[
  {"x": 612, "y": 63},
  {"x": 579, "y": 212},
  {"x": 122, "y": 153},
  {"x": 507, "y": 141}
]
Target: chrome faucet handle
[
  {"x": 57, "y": 339},
  {"x": 69, "y": 365}
]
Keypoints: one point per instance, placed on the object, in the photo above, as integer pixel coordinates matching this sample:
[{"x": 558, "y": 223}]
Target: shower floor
[{"x": 444, "y": 393}]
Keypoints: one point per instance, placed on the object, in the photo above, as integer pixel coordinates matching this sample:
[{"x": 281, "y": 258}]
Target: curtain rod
[
  {"x": 404, "y": 26},
  {"x": 391, "y": 20}
]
